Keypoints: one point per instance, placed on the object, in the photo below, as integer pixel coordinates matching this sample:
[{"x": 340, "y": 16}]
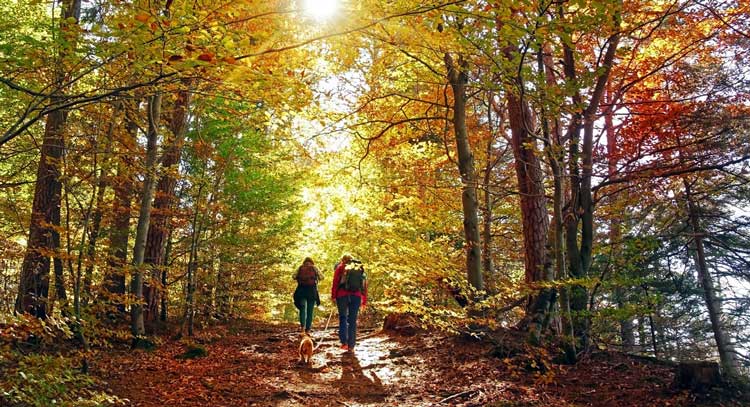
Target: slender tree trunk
[
  {"x": 627, "y": 334},
  {"x": 192, "y": 266},
  {"x": 713, "y": 302},
  {"x": 164, "y": 202},
  {"x": 458, "y": 79},
  {"x": 487, "y": 265},
  {"x": 164, "y": 297},
  {"x": 96, "y": 217},
  {"x": 144, "y": 217},
  {"x": 33, "y": 287},
  {"x": 57, "y": 266},
  {"x": 223, "y": 282},
  {"x": 121, "y": 208},
  {"x": 581, "y": 205}
]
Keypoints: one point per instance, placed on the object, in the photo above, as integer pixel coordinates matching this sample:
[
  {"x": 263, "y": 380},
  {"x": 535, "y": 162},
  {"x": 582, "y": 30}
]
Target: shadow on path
[{"x": 355, "y": 384}]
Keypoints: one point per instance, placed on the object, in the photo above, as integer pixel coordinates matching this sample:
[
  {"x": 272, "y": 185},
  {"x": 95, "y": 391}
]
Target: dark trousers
[
  {"x": 348, "y": 309},
  {"x": 306, "y": 313}
]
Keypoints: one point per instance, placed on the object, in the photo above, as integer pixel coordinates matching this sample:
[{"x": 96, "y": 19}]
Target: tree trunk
[
  {"x": 121, "y": 207},
  {"x": 144, "y": 217},
  {"x": 581, "y": 205},
  {"x": 551, "y": 130},
  {"x": 457, "y": 78},
  {"x": 713, "y": 302},
  {"x": 627, "y": 334},
  {"x": 33, "y": 287},
  {"x": 167, "y": 255},
  {"x": 537, "y": 264},
  {"x": 96, "y": 217},
  {"x": 187, "y": 320},
  {"x": 163, "y": 204},
  {"x": 223, "y": 282},
  {"x": 487, "y": 264}
]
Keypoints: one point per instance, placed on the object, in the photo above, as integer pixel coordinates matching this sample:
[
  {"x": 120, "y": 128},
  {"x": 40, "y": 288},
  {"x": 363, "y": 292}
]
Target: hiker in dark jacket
[
  {"x": 306, "y": 296},
  {"x": 349, "y": 292}
]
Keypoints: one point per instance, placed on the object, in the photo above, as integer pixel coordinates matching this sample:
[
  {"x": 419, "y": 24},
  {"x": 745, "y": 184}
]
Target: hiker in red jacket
[{"x": 349, "y": 292}]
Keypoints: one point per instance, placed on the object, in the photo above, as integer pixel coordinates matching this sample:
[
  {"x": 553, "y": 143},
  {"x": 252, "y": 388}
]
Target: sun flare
[{"x": 321, "y": 9}]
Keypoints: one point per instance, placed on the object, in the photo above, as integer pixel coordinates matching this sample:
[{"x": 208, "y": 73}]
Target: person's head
[
  {"x": 308, "y": 262},
  {"x": 346, "y": 258}
]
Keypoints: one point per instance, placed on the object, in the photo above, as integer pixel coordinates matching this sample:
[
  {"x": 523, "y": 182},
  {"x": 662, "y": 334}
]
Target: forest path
[{"x": 256, "y": 364}]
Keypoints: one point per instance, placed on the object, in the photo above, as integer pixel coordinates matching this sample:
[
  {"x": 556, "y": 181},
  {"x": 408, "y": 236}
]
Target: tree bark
[
  {"x": 44, "y": 239},
  {"x": 713, "y": 302},
  {"x": 121, "y": 208},
  {"x": 144, "y": 217},
  {"x": 487, "y": 264},
  {"x": 458, "y": 79},
  {"x": 537, "y": 264},
  {"x": 163, "y": 204}
]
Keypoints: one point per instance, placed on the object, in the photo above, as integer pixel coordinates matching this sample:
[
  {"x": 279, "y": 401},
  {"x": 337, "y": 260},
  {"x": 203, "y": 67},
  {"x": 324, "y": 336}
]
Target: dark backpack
[
  {"x": 307, "y": 275},
  {"x": 353, "y": 278}
]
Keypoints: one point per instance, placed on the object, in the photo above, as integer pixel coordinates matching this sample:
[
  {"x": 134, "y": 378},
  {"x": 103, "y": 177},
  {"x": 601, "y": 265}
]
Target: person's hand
[
  {"x": 363, "y": 307},
  {"x": 333, "y": 299}
]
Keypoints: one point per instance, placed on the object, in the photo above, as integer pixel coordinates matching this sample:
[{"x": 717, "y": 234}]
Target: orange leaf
[
  {"x": 142, "y": 17},
  {"x": 208, "y": 57}
]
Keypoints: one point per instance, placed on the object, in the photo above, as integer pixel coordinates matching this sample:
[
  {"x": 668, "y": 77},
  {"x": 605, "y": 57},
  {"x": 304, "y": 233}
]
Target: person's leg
[
  {"x": 343, "y": 306},
  {"x": 352, "y": 320},
  {"x": 302, "y": 313},
  {"x": 310, "y": 310}
]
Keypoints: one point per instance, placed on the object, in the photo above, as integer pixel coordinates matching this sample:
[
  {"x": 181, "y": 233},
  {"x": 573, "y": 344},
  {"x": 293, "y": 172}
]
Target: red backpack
[{"x": 307, "y": 275}]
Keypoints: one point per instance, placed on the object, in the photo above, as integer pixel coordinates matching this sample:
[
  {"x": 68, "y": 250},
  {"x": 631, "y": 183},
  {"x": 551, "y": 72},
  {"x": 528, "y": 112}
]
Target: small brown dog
[{"x": 306, "y": 349}]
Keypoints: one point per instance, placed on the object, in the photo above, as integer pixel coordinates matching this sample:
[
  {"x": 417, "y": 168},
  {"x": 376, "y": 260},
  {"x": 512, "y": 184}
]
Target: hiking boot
[
  {"x": 345, "y": 347},
  {"x": 307, "y": 331}
]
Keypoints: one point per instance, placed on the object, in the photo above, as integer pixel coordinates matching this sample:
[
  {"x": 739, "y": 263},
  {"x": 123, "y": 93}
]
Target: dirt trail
[{"x": 255, "y": 364}]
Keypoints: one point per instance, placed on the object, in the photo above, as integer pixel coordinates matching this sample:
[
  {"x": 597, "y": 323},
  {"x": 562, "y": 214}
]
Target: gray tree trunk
[
  {"x": 458, "y": 79},
  {"x": 144, "y": 217},
  {"x": 713, "y": 302}
]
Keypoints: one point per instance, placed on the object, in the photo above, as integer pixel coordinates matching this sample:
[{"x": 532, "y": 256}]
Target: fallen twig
[{"x": 463, "y": 393}]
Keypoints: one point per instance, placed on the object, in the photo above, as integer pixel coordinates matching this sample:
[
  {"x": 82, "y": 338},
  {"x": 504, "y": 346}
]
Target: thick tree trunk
[
  {"x": 458, "y": 79},
  {"x": 713, "y": 302},
  {"x": 163, "y": 204},
  {"x": 534, "y": 214},
  {"x": 44, "y": 239},
  {"x": 33, "y": 287},
  {"x": 144, "y": 217}
]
